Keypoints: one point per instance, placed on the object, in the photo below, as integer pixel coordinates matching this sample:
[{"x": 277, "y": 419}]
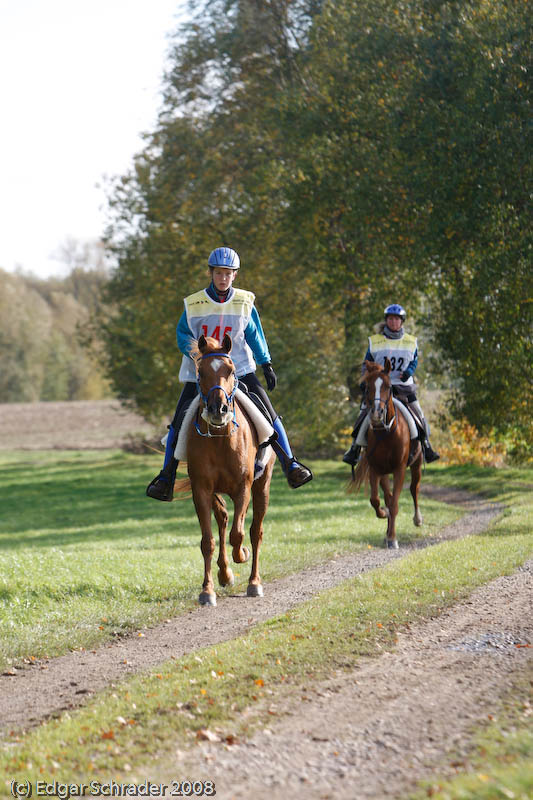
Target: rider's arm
[
  {"x": 256, "y": 340},
  {"x": 184, "y": 335},
  {"x": 412, "y": 365}
]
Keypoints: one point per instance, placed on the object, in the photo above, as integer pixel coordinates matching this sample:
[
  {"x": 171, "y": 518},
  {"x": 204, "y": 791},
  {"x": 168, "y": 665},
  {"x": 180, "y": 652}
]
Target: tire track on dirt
[{"x": 44, "y": 689}]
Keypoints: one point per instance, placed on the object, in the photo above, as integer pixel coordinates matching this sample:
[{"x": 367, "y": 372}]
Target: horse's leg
[
  {"x": 399, "y": 477},
  {"x": 416, "y": 474},
  {"x": 260, "y": 495},
  {"x": 374, "y": 495},
  {"x": 241, "y": 501},
  {"x": 202, "y": 503},
  {"x": 384, "y": 482},
  {"x": 225, "y": 575}
]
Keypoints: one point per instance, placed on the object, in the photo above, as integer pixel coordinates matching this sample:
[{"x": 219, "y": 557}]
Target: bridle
[
  {"x": 384, "y": 425},
  {"x": 230, "y": 400}
]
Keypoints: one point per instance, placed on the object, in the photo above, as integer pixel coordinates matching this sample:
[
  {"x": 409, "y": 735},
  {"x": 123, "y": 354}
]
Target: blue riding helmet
[
  {"x": 224, "y": 257},
  {"x": 395, "y": 309}
]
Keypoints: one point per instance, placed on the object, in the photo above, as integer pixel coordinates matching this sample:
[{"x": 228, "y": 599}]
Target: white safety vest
[
  {"x": 207, "y": 317},
  {"x": 400, "y": 352}
]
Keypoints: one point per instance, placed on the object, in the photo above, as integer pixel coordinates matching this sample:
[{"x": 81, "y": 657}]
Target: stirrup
[
  {"x": 161, "y": 488},
  {"x": 298, "y": 474}
]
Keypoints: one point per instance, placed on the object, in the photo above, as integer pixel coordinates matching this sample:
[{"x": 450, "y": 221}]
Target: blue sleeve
[
  {"x": 184, "y": 335},
  {"x": 256, "y": 340},
  {"x": 412, "y": 365}
]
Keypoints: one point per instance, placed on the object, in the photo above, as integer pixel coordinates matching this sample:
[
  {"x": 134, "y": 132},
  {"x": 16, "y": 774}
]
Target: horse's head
[
  {"x": 217, "y": 379},
  {"x": 378, "y": 391}
]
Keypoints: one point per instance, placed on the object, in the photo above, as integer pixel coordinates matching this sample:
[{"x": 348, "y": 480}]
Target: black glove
[
  {"x": 270, "y": 376},
  {"x": 405, "y": 376}
]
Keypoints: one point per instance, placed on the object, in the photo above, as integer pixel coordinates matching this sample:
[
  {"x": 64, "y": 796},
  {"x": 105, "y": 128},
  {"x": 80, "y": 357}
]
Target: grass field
[{"x": 84, "y": 553}]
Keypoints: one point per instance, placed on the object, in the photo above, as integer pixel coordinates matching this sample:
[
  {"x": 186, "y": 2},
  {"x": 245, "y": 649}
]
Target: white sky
[{"x": 79, "y": 83}]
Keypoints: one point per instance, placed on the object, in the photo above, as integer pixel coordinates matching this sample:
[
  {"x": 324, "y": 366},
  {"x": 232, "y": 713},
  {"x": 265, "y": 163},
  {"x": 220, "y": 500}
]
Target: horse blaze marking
[
  {"x": 377, "y": 393},
  {"x": 217, "y": 363}
]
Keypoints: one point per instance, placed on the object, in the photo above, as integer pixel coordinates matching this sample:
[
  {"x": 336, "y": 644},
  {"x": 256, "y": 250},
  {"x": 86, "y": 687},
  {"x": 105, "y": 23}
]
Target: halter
[{"x": 230, "y": 399}]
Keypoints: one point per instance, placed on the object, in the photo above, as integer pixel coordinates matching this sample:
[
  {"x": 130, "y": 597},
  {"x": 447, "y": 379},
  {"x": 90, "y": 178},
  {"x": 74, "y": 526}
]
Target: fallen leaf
[{"x": 206, "y": 734}]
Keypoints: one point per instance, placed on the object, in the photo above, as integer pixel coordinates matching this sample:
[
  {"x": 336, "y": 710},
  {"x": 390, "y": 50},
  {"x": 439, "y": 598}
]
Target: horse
[
  {"x": 221, "y": 450},
  {"x": 388, "y": 451}
]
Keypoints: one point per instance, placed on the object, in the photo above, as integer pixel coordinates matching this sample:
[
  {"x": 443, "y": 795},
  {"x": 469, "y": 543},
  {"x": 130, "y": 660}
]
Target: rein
[{"x": 230, "y": 399}]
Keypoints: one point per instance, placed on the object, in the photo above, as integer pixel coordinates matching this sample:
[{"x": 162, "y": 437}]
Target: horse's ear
[
  {"x": 202, "y": 344},
  {"x": 388, "y": 366},
  {"x": 227, "y": 344}
]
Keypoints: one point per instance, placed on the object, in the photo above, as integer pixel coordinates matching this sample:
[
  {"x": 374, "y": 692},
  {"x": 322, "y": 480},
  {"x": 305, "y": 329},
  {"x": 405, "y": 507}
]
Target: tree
[{"x": 353, "y": 154}]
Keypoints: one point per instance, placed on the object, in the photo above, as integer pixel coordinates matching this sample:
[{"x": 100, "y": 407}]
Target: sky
[{"x": 79, "y": 82}]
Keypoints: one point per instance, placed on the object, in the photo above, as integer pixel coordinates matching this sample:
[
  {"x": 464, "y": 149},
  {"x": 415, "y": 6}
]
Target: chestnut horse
[
  {"x": 221, "y": 449},
  {"x": 387, "y": 451}
]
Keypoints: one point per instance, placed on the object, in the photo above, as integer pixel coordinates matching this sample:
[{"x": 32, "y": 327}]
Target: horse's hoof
[
  {"x": 392, "y": 544},
  {"x": 246, "y": 554},
  {"x": 207, "y": 599},
  {"x": 230, "y": 579},
  {"x": 254, "y": 590},
  {"x": 418, "y": 520}
]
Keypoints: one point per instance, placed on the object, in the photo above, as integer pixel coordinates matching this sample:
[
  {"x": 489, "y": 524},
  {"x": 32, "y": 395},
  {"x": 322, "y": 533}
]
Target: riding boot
[
  {"x": 162, "y": 486},
  {"x": 429, "y": 454},
  {"x": 297, "y": 474},
  {"x": 351, "y": 456}
]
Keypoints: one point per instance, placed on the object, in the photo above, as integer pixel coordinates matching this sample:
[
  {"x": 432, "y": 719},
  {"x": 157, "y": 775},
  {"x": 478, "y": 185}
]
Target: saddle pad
[
  {"x": 263, "y": 428},
  {"x": 361, "y": 439}
]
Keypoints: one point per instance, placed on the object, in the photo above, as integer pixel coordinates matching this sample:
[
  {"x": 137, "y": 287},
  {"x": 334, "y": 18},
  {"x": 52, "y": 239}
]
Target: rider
[
  {"x": 214, "y": 311},
  {"x": 401, "y": 349}
]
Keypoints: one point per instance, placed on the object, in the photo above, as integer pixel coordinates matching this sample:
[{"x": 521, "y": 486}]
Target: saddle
[{"x": 256, "y": 400}]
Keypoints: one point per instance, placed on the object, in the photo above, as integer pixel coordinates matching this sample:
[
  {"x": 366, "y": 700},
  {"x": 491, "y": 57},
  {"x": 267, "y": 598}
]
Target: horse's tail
[
  {"x": 183, "y": 487},
  {"x": 359, "y": 475}
]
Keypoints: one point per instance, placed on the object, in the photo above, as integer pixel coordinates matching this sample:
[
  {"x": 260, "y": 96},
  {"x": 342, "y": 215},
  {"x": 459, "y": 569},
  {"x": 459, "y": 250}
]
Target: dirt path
[
  {"x": 36, "y": 691},
  {"x": 374, "y": 732}
]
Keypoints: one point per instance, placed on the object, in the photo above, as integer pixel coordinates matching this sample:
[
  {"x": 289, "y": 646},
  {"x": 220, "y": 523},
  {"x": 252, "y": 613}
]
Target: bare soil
[
  {"x": 370, "y": 732},
  {"x": 81, "y": 425}
]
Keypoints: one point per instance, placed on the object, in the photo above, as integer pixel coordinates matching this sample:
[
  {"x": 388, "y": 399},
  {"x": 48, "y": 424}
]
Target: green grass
[
  {"x": 85, "y": 555},
  {"x": 154, "y": 713}
]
